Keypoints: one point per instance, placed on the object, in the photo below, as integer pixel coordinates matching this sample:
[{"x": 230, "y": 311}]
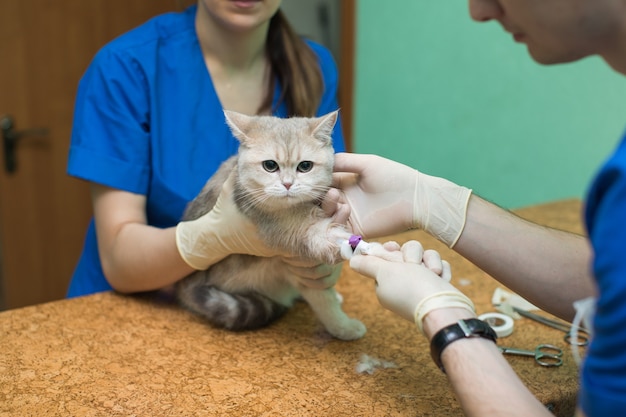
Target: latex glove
[
  {"x": 403, "y": 280},
  {"x": 430, "y": 258},
  {"x": 335, "y": 207},
  {"x": 312, "y": 274},
  {"x": 387, "y": 197},
  {"x": 221, "y": 232}
]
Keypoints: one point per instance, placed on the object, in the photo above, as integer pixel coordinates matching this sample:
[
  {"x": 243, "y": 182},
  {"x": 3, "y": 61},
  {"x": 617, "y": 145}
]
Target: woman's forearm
[
  {"x": 135, "y": 256},
  {"x": 143, "y": 258}
]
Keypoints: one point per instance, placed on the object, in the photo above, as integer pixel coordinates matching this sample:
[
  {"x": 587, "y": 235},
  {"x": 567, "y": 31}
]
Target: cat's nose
[{"x": 287, "y": 185}]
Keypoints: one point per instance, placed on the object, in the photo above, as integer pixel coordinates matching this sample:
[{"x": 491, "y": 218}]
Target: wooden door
[{"x": 45, "y": 46}]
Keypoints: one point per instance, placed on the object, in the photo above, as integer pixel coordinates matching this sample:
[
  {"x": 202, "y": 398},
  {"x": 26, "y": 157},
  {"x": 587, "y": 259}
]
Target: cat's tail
[{"x": 236, "y": 312}]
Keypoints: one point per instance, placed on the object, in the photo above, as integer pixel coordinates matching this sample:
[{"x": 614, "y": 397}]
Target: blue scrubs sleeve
[{"x": 110, "y": 140}]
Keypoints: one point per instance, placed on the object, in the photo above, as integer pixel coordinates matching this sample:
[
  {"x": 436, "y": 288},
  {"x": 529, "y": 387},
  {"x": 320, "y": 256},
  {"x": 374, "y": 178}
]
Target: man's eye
[
  {"x": 305, "y": 166},
  {"x": 270, "y": 166}
]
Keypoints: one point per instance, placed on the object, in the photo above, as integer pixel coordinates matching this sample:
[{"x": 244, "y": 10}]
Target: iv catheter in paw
[{"x": 355, "y": 245}]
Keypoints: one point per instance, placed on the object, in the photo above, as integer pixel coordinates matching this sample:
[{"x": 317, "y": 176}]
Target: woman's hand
[
  {"x": 312, "y": 274},
  {"x": 221, "y": 232}
]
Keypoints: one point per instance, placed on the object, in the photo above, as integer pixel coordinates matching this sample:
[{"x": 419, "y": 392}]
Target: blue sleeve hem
[{"x": 108, "y": 171}]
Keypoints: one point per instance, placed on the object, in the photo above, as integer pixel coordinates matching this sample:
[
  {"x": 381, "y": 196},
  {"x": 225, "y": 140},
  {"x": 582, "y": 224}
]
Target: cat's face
[{"x": 283, "y": 162}]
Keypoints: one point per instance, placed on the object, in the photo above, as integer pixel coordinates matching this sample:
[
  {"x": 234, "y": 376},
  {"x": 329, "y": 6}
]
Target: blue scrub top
[
  {"x": 603, "y": 376},
  {"x": 148, "y": 120}
]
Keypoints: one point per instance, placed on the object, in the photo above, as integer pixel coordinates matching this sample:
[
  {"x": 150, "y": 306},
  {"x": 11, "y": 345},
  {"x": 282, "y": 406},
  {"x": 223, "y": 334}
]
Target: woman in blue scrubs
[{"x": 149, "y": 128}]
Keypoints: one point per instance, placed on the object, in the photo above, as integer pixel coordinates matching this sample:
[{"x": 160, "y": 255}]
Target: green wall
[{"x": 458, "y": 99}]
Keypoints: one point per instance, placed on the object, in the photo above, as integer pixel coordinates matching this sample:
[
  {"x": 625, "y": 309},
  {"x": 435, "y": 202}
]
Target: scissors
[
  {"x": 544, "y": 354},
  {"x": 581, "y": 338}
]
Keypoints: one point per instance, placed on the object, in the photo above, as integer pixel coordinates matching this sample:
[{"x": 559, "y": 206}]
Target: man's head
[{"x": 557, "y": 31}]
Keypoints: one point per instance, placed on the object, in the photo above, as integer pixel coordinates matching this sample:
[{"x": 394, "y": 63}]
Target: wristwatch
[{"x": 459, "y": 330}]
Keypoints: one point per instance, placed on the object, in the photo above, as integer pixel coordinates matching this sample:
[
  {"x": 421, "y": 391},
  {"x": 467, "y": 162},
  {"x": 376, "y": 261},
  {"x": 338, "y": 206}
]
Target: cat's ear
[
  {"x": 322, "y": 127},
  {"x": 239, "y": 124}
]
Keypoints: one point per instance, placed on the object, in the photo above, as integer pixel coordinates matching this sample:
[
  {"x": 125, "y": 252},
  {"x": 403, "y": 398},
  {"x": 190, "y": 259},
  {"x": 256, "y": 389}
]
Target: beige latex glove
[
  {"x": 404, "y": 278},
  {"x": 386, "y": 197},
  {"x": 220, "y": 232},
  {"x": 430, "y": 259}
]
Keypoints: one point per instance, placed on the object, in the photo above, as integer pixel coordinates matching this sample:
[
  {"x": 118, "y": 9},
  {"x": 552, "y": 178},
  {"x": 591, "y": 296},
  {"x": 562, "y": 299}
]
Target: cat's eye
[
  {"x": 270, "y": 166},
  {"x": 305, "y": 166}
]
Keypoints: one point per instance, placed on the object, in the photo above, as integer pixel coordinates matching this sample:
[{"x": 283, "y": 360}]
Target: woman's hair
[{"x": 295, "y": 66}]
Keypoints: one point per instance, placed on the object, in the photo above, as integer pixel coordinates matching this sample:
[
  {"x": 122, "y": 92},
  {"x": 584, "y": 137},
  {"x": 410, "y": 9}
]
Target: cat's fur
[{"x": 244, "y": 292}]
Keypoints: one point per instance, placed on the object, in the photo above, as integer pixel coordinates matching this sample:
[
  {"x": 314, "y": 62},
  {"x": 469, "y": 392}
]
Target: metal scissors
[
  {"x": 544, "y": 354},
  {"x": 581, "y": 338}
]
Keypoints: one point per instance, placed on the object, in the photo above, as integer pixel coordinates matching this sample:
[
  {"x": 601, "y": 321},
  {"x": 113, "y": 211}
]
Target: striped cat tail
[{"x": 236, "y": 312}]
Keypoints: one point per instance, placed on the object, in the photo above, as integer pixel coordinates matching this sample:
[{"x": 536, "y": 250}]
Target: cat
[{"x": 277, "y": 157}]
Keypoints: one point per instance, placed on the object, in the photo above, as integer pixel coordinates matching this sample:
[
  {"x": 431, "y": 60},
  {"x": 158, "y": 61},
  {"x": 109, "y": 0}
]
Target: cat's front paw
[
  {"x": 349, "y": 329},
  {"x": 336, "y": 235}
]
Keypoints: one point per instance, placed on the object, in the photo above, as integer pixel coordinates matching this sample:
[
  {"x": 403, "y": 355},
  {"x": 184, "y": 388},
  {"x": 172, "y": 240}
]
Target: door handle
[{"x": 10, "y": 138}]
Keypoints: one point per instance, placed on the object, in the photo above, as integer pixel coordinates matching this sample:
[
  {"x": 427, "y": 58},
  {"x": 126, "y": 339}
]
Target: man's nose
[{"x": 485, "y": 10}]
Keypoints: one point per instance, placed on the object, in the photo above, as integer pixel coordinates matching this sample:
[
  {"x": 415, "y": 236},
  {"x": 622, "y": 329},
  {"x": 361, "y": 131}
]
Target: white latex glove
[
  {"x": 402, "y": 278},
  {"x": 312, "y": 274},
  {"x": 387, "y": 197},
  {"x": 220, "y": 232},
  {"x": 430, "y": 258}
]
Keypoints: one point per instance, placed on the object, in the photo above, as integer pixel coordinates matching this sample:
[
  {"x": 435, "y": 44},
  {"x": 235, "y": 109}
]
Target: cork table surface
[{"x": 108, "y": 355}]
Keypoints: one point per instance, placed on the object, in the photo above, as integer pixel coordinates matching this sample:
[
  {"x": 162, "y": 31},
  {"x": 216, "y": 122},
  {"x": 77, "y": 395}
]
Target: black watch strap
[{"x": 459, "y": 330}]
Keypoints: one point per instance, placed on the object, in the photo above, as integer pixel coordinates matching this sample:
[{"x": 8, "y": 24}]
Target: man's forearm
[{"x": 550, "y": 268}]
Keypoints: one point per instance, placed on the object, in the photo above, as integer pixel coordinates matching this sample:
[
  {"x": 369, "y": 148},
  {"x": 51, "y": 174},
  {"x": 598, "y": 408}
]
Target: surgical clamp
[{"x": 579, "y": 339}]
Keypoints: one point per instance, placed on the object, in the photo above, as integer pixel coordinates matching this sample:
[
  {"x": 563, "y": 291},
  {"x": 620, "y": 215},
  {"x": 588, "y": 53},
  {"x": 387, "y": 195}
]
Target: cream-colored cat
[{"x": 282, "y": 171}]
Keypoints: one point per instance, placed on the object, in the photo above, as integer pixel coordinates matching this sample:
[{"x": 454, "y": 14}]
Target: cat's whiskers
[
  {"x": 317, "y": 192},
  {"x": 252, "y": 199}
]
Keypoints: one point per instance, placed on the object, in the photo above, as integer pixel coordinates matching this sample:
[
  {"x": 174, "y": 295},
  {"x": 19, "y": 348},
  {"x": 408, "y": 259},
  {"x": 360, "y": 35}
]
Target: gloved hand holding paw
[{"x": 386, "y": 197}]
